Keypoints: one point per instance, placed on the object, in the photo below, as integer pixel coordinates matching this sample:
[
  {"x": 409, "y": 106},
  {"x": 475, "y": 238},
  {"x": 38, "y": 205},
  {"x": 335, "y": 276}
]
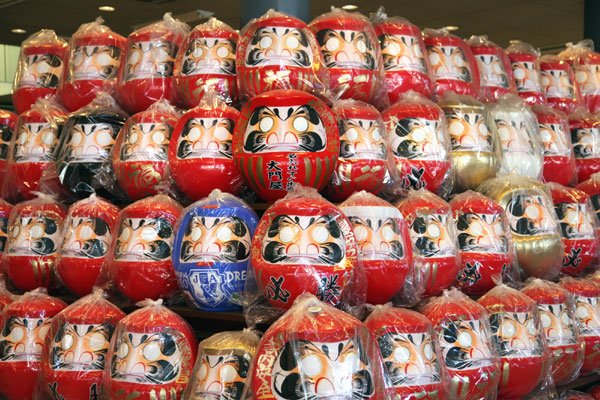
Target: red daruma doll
[
  {"x": 140, "y": 153},
  {"x": 8, "y": 124},
  {"x": 524, "y": 355},
  {"x": 559, "y": 84},
  {"x": 524, "y": 59},
  {"x": 146, "y": 73},
  {"x": 92, "y": 65},
  {"x": 557, "y": 315},
  {"x": 206, "y": 61},
  {"x": 25, "y": 324},
  {"x": 40, "y": 67},
  {"x": 151, "y": 354},
  {"x": 5, "y": 209},
  {"x": 86, "y": 238},
  {"x": 585, "y": 139},
  {"x": 592, "y": 188},
  {"x": 586, "y": 67},
  {"x": 462, "y": 331}
]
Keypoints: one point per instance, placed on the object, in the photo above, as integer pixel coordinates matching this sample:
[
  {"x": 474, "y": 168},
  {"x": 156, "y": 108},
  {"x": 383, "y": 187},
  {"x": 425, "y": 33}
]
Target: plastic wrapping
[
  {"x": 405, "y": 59},
  {"x": 452, "y": 62},
  {"x": 8, "y": 125},
  {"x": 352, "y": 55},
  {"x": 86, "y": 238},
  {"x": 139, "y": 260},
  {"x": 75, "y": 348},
  {"x": 412, "y": 359},
  {"x": 141, "y": 150},
  {"x": 92, "y": 64},
  {"x": 146, "y": 72},
  {"x": 585, "y": 139},
  {"x": 33, "y": 237},
  {"x": 211, "y": 251},
  {"x": 495, "y": 71},
  {"x": 33, "y": 148},
  {"x": 476, "y": 151},
  {"x": 559, "y": 84},
  {"x": 485, "y": 242},
  {"x": 462, "y": 330},
  {"x": 151, "y": 354},
  {"x": 5, "y": 209},
  {"x": 592, "y": 188},
  {"x": 278, "y": 51},
  {"x": 222, "y": 366},
  {"x": 40, "y": 67},
  {"x": 433, "y": 235},
  {"x": 586, "y": 295},
  {"x": 557, "y": 316},
  {"x": 206, "y": 62},
  {"x": 578, "y": 227},
  {"x": 316, "y": 351},
  {"x": 285, "y": 137},
  {"x": 521, "y": 344},
  {"x": 418, "y": 134},
  {"x": 384, "y": 245},
  {"x": 25, "y": 324},
  {"x": 6, "y": 297},
  {"x": 594, "y": 392},
  {"x": 586, "y": 67},
  {"x": 575, "y": 395},
  {"x": 201, "y": 148},
  {"x": 525, "y": 62}
]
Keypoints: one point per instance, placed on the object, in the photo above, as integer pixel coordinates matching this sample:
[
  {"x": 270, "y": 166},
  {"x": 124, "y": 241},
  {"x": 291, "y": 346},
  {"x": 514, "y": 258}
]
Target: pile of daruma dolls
[{"x": 440, "y": 190}]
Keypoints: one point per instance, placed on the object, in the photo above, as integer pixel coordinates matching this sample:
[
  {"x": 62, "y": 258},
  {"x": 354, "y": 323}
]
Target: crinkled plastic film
[
  {"x": 525, "y": 62},
  {"x": 559, "y": 84},
  {"x": 8, "y": 126},
  {"x": 592, "y": 188},
  {"x": 92, "y": 64},
  {"x": 211, "y": 251},
  {"x": 462, "y": 330},
  {"x": 206, "y": 61},
  {"x": 585, "y": 139},
  {"x": 223, "y": 365},
  {"x": 6, "y": 297},
  {"x": 146, "y": 72},
  {"x": 575, "y": 395},
  {"x": 585, "y": 61},
  {"x": 5, "y": 209},
  {"x": 158, "y": 340},
  {"x": 39, "y": 69}
]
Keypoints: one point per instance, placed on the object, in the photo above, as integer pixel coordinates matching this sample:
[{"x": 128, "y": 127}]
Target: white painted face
[
  {"x": 80, "y": 347},
  {"x": 220, "y": 375},
  {"x": 94, "y": 63},
  {"x": 90, "y": 143},
  {"x": 557, "y": 84},
  {"x": 209, "y": 56},
  {"x": 150, "y": 59},
  {"x": 491, "y": 70},
  {"x": 465, "y": 345},
  {"x": 23, "y": 339},
  {"x": 41, "y": 70},
  {"x": 402, "y": 53},
  {"x": 418, "y": 139},
  {"x": 526, "y": 76},
  {"x": 35, "y": 143},
  {"x": 516, "y": 334},
  {"x": 144, "y": 240},
  {"x": 587, "y": 313},
  {"x": 146, "y": 142},
  {"x": 554, "y": 139},
  {"x": 469, "y": 132},
  {"x": 449, "y": 62},
  {"x": 557, "y": 324},
  {"x": 279, "y": 45},
  {"x": 588, "y": 78}
]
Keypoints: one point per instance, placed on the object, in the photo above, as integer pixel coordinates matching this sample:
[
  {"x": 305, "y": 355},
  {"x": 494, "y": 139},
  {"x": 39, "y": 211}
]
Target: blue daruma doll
[{"x": 212, "y": 250}]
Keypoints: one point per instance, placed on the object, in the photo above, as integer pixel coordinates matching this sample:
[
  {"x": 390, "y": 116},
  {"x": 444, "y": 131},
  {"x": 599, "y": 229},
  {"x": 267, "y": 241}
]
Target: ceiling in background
[{"x": 546, "y": 24}]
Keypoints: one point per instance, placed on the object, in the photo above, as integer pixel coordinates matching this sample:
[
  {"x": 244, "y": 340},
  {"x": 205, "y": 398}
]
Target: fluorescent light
[
  {"x": 18, "y": 30},
  {"x": 450, "y": 28},
  {"x": 349, "y": 7},
  {"x": 514, "y": 41},
  {"x": 106, "y": 8}
]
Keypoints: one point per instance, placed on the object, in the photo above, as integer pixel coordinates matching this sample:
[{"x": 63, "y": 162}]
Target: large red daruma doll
[
  {"x": 140, "y": 259},
  {"x": 521, "y": 345},
  {"x": 412, "y": 363},
  {"x": 5, "y": 209},
  {"x": 524, "y": 59},
  {"x": 201, "y": 147},
  {"x": 495, "y": 71},
  {"x": 25, "y": 324},
  {"x": 206, "y": 62},
  {"x": 74, "y": 354},
  {"x": 86, "y": 238},
  {"x": 285, "y": 137},
  {"x": 146, "y": 73},
  {"x": 151, "y": 354},
  {"x": 461, "y": 329},
  {"x": 8, "y": 124},
  {"x": 559, "y": 84},
  {"x": 92, "y": 64},
  {"x": 418, "y": 135},
  {"x": 586, "y": 67},
  {"x": 592, "y": 188},
  {"x": 557, "y": 317},
  {"x": 431, "y": 228},
  {"x": 33, "y": 236},
  {"x": 485, "y": 242},
  {"x": 40, "y": 67},
  {"x": 585, "y": 139},
  {"x": 452, "y": 63},
  {"x": 303, "y": 243},
  {"x": 383, "y": 241},
  {"x": 140, "y": 153}
]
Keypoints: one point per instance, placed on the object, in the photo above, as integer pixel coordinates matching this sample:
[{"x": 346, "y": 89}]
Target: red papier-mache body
[
  {"x": 485, "y": 242},
  {"x": 585, "y": 139},
  {"x": 25, "y": 324},
  {"x": 495, "y": 71},
  {"x": 8, "y": 125},
  {"x": 140, "y": 260},
  {"x": 200, "y": 153},
  {"x": 525, "y": 63},
  {"x": 151, "y": 356},
  {"x": 433, "y": 236},
  {"x": 586, "y": 67},
  {"x": 586, "y": 295},
  {"x": 578, "y": 228},
  {"x": 559, "y": 84},
  {"x": 557, "y": 314},
  {"x": 87, "y": 235},
  {"x": 285, "y": 137},
  {"x": 5, "y": 209},
  {"x": 592, "y": 188},
  {"x": 75, "y": 350},
  {"x": 33, "y": 237}
]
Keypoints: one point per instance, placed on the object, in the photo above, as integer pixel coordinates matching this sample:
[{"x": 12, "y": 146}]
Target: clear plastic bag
[
  {"x": 559, "y": 84},
  {"x": 8, "y": 126},
  {"x": 152, "y": 352},
  {"x": 146, "y": 72},
  {"x": 575, "y": 395},
  {"x": 6, "y": 297},
  {"x": 592, "y": 188},
  {"x": 585, "y": 139},
  {"x": 24, "y": 325},
  {"x": 206, "y": 62},
  {"x": 211, "y": 251},
  {"x": 223, "y": 366},
  {"x": 40, "y": 67},
  {"x": 92, "y": 64},
  {"x": 462, "y": 330},
  {"x": 585, "y": 63},
  {"x": 525, "y": 62}
]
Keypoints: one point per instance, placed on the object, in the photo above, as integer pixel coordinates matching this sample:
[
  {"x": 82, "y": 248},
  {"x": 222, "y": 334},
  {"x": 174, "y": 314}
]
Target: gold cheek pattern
[
  {"x": 361, "y": 139},
  {"x": 153, "y": 59},
  {"x": 90, "y": 143},
  {"x": 209, "y": 56},
  {"x": 587, "y": 313},
  {"x": 279, "y": 46},
  {"x": 588, "y": 78},
  {"x": 526, "y": 77},
  {"x": 557, "y": 325},
  {"x": 94, "y": 63},
  {"x": 23, "y": 339},
  {"x": 402, "y": 53},
  {"x": 492, "y": 71},
  {"x": 41, "y": 70},
  {"x": 146, "y": 142},
  {"x": 35, "y": 142},
  {"x": 80, "y": 347},
  {"x": 464, "y": 345},
  {"x": 468, "y": 132},
  {"x": 516, "y": 334},
  {"x": 206, "y": 138}
]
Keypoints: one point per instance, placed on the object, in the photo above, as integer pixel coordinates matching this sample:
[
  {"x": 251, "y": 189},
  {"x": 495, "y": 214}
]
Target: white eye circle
[
  {"x": 320, "y": 234},
  {"x": 133, "y": 138},
  {"x": 434, "y": 59},
  {"x": 464, "y": 339},
  {"x": 456, "y": 128},
  {"x": 123, "y": 350},
  {"x": 311, "y": 365},
  {"x": 301, "y": 124},
  {"x": 36, "y": 231},
  {"x": 134, "y": 57},
  {"x": 582, "y": 312},
  {"x": 531, "y": 329},
  {"x": 572, "y": 217},
  {"x": 401, "y": 354},
  {"x": 504, "y": 133},
  {"x": 222, "y": 52},
  {"x": 158, "y": 137},
  {"x": 546, "y": 136},
  {"x": 546, "y": 320},
  {"x": 332, "y": 44},
  {"x": 508, "y": 329},
  {"x": 376, "y": 135},
  {"x": 476, "y": 229},
  {"x": 43, "y": 68},
  {"x": 104, "y": 59},
  {"x": 227, "y": 373},
  {"x": 428, "y": 351},
  {"x": 161, "y": 55},
  {"x": 224, "y": 234},
  {"x": 483, "y": 129},
  {"x": 48, "y": 138},
  {"x": 545, "y": 80},
  {"x": 292, "y": 42},
  {"x": 360, "y": 233},
  {"x": 434, "y": 231},
  {"x": 196, "y": 234},
  {"x": 198, "y": 52},
  {"x": 86, "y": 232},
  {"x": 498, "y": 229},
  {"x": 104, "y": 139},
  {"x": 419, "y": 135},
  {"x": 417, "y": 50},
  {"x": 266, "y": 124},
  {"x": 287, "y": 234},
  {"x": 151, "y": 351},
  {"x": 15, "y": 232},
  {"x": 194, "y": 134},
  {"x": 221, "y": 133},
  {"x": 565, "y": 319},
  {"x": 519, "y": 73},
  {"x": 580, "y": 76},
  {"x": 265, "y": 42},
  {"x": 532, "y": 212},
  {"x": 76, "y": 139},
  {"x": 67, "y": 342},
  {"x": 202, "y": 372},
  {"x": 388, "y": 233},
  {"x": 352, "y": 134},
  {"x": 361, "y": 46},
  {"x": 43, "y": 331},
  {"x": 23, "y": 138},
  {"x": 125, "y": 235},
  {"x": 16, "y": 334},
  {"x": 149, "y": 234},
  {"x": 393, "y": 49},
  {"x": 97, "y": 341}
]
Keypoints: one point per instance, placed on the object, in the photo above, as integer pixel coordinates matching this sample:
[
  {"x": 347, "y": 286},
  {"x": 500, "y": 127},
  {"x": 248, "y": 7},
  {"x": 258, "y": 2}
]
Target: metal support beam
[{"x": 255, "y": 8}]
